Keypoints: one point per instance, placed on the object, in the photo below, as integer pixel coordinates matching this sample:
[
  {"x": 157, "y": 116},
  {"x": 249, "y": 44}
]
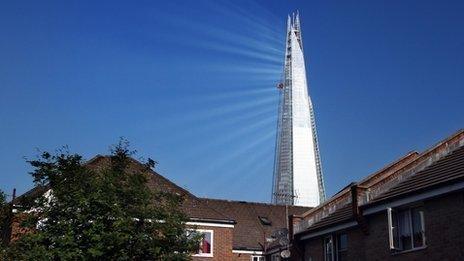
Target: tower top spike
[
  {"x": 296, "y": 23},
  {"x": 289, "y": 24}
]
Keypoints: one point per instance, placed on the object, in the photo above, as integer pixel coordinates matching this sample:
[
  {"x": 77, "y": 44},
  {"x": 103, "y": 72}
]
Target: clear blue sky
[{"x": 191, "y": 84}]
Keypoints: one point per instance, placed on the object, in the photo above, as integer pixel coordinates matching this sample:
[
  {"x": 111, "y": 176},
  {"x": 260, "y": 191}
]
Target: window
[
  {"x": 328, "y": 249},
  {"x": 335, "y": 247},
  {"x": 257, "y": 258},
  {"x": 406, "y": 228},
  {"x": 206, "y": 242},
  {"x": 342, "y": 246}
]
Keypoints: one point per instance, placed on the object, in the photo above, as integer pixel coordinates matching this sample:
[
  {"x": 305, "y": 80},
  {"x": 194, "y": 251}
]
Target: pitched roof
[
  {"x": 250, "y": 232},
  {"x": 448, "y": 169},
  {"x": 330, "y": 212},
  {"x": 192, "y": 205},
  {"x": 442, "y": 164},
  {"x": 341, "y": 215}
]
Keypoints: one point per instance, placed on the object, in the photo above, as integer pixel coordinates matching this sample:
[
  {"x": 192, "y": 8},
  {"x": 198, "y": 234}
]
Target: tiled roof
[
  {"x": 341, "y": 215},
  {"x": 448, "y": 169},
  {"x": 192, "y": 205},
  {"x": 440, "y": 165},
  {"x": 249, "y": 232}
]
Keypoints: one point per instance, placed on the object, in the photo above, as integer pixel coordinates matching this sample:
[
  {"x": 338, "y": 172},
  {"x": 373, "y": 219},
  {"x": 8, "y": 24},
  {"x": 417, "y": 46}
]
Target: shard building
[{"x": 297, "y": 171}]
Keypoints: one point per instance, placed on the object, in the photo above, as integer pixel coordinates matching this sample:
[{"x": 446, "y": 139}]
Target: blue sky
[{"x": 192, "y": 84}]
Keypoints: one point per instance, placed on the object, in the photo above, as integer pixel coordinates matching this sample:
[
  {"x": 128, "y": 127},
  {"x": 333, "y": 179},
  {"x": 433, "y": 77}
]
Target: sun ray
[{"x": 217, "y": 164}]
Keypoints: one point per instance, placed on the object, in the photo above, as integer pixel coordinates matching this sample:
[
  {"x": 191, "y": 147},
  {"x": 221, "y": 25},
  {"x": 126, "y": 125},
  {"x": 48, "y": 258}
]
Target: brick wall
[
  {"x": 222, "y": 241},
  {"x": 16, "y": 229},
  {"x": 444, "y": 231},
  {"x": 314, "y": 249},
  {"x": 222, "y": 244},
  {"x": 241, "y": 257}
]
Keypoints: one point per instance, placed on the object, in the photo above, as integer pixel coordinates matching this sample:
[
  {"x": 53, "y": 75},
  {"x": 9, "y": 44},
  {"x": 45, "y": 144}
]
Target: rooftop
[{"x": 413, "y": 173}]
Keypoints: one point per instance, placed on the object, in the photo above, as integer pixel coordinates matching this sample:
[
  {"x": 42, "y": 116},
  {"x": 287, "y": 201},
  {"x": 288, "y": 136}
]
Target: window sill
[
  {"x": 408, "y": 251},
  {"x": 203, "y": 255}
]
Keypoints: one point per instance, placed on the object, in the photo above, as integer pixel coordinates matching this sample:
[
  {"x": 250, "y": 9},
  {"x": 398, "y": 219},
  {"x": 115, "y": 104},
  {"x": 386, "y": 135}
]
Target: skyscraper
[{"x": 297, "y": 172}]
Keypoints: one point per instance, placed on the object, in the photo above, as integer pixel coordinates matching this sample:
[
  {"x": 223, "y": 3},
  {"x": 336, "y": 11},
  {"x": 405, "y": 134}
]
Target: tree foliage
[
  {"x": 103, "y": 213},
  {"x": 4, "y": 217}
]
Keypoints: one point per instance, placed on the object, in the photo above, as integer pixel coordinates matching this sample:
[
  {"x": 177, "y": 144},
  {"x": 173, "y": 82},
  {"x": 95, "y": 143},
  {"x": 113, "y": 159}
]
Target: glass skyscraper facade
[{"x": 297, "y": 172}]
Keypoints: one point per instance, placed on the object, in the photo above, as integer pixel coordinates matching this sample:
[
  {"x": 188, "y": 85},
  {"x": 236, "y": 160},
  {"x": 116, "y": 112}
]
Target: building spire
[
  {"x": 296, "y": 24},
  {"x": 289, "y": 24},
  {"x": 298, "y": 176}
]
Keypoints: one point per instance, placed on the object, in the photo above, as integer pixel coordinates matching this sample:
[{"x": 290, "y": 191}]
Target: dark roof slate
[
  {"x": 448, "y": 169},
  {"x": 192, "y": 205},
  {"x": 444, "y": 171},
  {"x": 249, "y": 232},
  {"x": 342, "y": 215}
]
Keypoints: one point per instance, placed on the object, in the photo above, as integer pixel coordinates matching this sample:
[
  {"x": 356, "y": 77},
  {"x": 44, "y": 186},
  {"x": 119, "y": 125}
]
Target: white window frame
[
  {"x": 212, "y": 243},
  {"x": 260, "y": 258},
  {"x": 391, "y": 228},
  {"x": 391, "y": 241}
]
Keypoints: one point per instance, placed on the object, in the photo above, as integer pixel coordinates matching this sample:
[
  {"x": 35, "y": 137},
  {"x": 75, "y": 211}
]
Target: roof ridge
[
  {"x": 424, "y": 160},
  {"x": 405, "y": 167},
  {"x": 248, "y": 202},
  {"x": 346, "y": 189},
  {"x": 392, "y": 164},
  {"x": 457, "y": 151},
  {"x": 98, "y": 156}
]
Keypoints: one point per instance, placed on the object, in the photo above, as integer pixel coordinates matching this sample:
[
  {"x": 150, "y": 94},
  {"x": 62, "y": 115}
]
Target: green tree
[
  {"x": 4, "y": 217},
  {"x": 101, "y": 213}
]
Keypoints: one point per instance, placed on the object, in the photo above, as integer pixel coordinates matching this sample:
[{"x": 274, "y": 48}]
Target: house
[
  {"x": 412, "y": 209},
  {"x": 232, "y": 230}
]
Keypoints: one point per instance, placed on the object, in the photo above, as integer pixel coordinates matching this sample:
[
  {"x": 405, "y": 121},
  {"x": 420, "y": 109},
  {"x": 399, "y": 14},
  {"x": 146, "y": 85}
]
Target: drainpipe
[{"x": 357, "y": 212}]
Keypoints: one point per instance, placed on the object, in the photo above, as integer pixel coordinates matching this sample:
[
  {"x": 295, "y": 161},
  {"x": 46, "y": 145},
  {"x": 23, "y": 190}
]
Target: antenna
[{"x": 286, "y": 242}]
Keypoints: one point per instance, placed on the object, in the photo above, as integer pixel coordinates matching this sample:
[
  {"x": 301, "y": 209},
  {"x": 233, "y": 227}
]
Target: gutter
[
  {"x": 407, "y": 198},
  {"x": 210, "y": 220}
]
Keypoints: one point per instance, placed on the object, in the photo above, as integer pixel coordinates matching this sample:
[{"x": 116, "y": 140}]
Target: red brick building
[
  {"x": 233, "y": 230},
  {"x": 413, "y": 209}
]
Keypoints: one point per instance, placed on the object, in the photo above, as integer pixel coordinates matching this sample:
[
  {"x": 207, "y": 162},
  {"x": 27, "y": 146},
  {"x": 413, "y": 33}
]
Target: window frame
[
  {"x": 338, "y": 250},
  {"x": 332, "y": 254},
  {"x": 334, "y": 239},
  {"x": 260, "y": 258},
  {"x": 212, "y": 243},
  {"x": 393, "y": 231}
]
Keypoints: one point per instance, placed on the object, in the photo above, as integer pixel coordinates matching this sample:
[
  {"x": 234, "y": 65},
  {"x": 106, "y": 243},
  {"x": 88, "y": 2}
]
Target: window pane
[
  {"x": 328, "y": 247},
  {"x": 205, "y": 244},
  {"x": 342, "y": 245},
  {"x": 418, "y": 226},
  {"x": 342, "y": 242},
  {"x": 404, "y": 230}
]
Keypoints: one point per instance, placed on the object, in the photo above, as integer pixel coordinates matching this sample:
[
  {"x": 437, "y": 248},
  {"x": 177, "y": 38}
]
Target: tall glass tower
[{"x": 297, "y": 172}]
